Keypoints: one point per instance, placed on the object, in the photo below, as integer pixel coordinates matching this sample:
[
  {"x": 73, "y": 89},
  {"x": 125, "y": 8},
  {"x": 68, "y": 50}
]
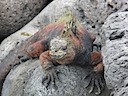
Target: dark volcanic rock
[{"x": 14, "y": 14}]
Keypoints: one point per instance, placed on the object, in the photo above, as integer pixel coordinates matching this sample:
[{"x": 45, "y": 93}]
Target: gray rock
[
  {"x": 115, "y": 52},
  {"x": 26, "y": 80},
  {"x": 92, "y": 14},
  {"x": 14, "y": 14},
  {"x": 118, "y": 5}
]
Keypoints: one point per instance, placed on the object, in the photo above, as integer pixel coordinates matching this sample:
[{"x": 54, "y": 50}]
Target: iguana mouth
[{"x": 57, "y": 55}]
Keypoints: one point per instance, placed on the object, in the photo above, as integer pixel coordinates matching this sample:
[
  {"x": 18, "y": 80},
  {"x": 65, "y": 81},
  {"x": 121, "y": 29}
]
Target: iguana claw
[
  {"x": 95, "y": 83},
  {"x": 51, "y": 77}
]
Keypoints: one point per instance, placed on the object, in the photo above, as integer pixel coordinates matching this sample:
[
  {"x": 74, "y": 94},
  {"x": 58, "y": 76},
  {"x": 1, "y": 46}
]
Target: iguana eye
[{"x": 64, "y": 48}]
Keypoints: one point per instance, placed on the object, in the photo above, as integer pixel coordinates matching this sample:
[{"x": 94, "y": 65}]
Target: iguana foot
[
  {"x": 51, "y": 77},
  {"x": 95, "y": 82},
  {"x": 95, "y": 79}
]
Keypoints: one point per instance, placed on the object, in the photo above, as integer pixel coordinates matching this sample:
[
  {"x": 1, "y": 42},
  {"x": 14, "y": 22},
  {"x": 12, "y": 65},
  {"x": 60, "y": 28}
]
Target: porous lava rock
[
  {"x": 14, "y": 14},
  {"x": 115, "y": 52}
]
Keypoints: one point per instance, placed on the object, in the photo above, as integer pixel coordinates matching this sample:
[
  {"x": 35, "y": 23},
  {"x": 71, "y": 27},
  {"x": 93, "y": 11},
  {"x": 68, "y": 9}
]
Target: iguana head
[{"x": 61, "y": 50}]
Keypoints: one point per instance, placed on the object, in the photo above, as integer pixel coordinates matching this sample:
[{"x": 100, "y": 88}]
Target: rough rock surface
[
  {"x": 14, "y": 14},
  {"x": 92, "y": 14},
  {"x": 115, "y": 52},
  {"x": 25, "y": 80}
]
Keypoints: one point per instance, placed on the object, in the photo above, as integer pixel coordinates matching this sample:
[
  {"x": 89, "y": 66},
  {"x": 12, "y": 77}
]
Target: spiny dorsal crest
[{"x": 70, "y": 24}]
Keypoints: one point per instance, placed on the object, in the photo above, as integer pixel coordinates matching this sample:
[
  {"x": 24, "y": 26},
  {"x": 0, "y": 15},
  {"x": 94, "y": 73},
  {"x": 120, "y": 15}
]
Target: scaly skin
[{"x": 63, "y": 42}]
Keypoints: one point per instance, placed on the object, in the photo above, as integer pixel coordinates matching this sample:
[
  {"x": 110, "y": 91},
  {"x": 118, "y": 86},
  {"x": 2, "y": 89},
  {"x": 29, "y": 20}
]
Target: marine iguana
[{"x": 63, "y": 42}]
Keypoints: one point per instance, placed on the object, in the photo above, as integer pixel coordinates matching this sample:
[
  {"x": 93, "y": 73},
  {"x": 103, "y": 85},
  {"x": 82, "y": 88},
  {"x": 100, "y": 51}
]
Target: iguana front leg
[
  {"x": 48, "y": 66},
  {"x": 35, "y": 49},
  {"x": 31, "y": 51},
  {"x": 96, "y": 77}
]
